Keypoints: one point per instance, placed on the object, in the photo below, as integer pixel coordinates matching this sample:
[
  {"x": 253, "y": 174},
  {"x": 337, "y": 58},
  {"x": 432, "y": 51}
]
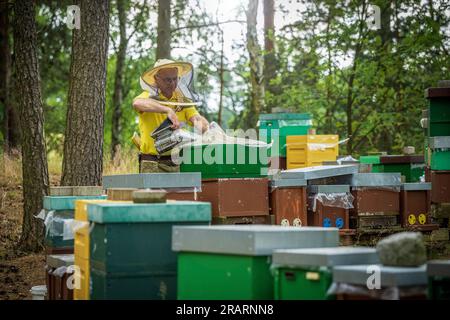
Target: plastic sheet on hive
[
  {"x": 216, "y": 135},
  {"x": 71, "y": 226},
  {"x": 337, "y": 200},
  {"x": 387, "y": 293},
  {"x": 56, "y": 226}
]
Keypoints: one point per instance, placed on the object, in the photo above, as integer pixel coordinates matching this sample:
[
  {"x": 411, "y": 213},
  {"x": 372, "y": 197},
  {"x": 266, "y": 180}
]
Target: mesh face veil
[{"x": 185, "y": 88}]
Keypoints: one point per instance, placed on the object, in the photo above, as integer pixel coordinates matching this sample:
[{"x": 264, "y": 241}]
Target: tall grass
[{"x": 125, "y": 161}]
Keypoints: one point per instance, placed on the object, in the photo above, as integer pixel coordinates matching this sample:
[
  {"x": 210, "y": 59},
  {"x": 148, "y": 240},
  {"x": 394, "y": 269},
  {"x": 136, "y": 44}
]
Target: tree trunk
[
  {"x": 83, "y": 145},
  {"x": 118, "y": 81},
  {"x": 164, "y": 33},
  {"x": 10, "y": 123},
  {"x": 34, "y": 157},
  {"x": 270, "y": 62},
  {"x": 4, "y": 69},
  {"x": 256, "y": 64},
  {"x": 221, "y": 72}
]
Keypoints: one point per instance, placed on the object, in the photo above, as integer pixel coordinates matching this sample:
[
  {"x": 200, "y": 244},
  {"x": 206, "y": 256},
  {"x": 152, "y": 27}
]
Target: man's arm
[
  {"x": 150, "y": 105},
  {"x": 200, "y": 123}
]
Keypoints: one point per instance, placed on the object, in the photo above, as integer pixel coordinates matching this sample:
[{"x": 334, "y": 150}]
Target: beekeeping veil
[{"x": 185, "y": 88}]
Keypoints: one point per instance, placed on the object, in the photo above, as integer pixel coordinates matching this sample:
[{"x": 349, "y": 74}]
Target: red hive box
[
  {"x": 415, "y": 205},
  {"x": 328, "y": 206},
  {"x": 57, "y": 276},
  {"x": 440, "y": 186},
  {"x": 288, "y": 202},
  {"x": 236, "y": 197}
]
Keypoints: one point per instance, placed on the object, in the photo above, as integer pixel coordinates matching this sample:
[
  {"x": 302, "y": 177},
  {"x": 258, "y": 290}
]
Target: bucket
[{"x": 39, "y": 292}]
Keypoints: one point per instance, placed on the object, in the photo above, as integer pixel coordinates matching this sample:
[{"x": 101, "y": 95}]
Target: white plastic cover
[{"x": 338, "y": 200}]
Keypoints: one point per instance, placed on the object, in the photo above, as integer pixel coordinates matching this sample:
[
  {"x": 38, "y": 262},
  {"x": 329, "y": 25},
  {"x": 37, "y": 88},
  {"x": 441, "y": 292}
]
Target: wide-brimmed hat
[{"x": 149, "y": 76}]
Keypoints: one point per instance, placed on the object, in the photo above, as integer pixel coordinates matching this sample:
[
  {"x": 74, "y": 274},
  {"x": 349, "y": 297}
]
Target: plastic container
[{"x": 39, "y": 292}]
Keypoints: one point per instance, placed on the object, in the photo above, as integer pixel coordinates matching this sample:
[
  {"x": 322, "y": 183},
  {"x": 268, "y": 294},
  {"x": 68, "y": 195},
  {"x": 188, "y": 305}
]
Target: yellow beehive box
[
  {"x": 311, "y": 150},
  {"x": 82, "y": 292},
  {"x": 81, "y": 246}
]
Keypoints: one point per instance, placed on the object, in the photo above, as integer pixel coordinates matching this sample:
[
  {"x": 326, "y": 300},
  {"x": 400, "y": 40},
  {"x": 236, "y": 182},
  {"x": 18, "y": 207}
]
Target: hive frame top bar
[
  {"x": 250, "y": 240},
  {"x": 318, "y": 172},
  {"x": 153, "y": 180},
  {"x": 325, "y": 256},
  {"x": 389, "y": 276}
]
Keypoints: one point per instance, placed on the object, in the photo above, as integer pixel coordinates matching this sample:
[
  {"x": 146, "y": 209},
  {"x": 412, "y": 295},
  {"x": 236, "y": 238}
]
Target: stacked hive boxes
[
  {"x": 439, "y": 155},
  {"x": 130, "y": 256},
  {"x": 120, "y": 190},
  {"x": 288, "y": 202},
  {"x": 311, "y": 150},
  {"x": 376, "y": 200},
  {"x": 58, "y": 221},
  {"x": 300, "y": 196},
  {"x": 60, "y": 268},
  {"x": 234, "y": 262},
  {"x": 82, "y": 251},
  {"x": 275, "y": 128},
  {"x": 415, "y": 201},
  {"x": 233, "y": 180}
]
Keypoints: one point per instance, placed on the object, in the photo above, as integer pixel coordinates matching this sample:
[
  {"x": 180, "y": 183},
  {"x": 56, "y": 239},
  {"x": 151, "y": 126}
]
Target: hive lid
[
  {"x": 439, "y": 142},
  {"x": 389, "y": 276},
  {"x": 401, "y": 159},
  {"x": 416, "y": 186},
  {"x": 328, "y": 189},
  {"x": 251, "y": 240},
  {"x": 154, "y": 180},
  {"x": 325, "y": 256},
  {"x": 318, "y": 172},
  {"x": 149, "y": 212},
  {"x": 370, "y": 159},
  {"x": 277, "y": 183},
  {"x": 285, "y": 116},
  {"x": 440, "y": 268},
  {"x": 437, "y": 93},
  {"x": 60, "y": 260},
  {"x": 66, "y": 202},
  {"x": 376, "y": 180}
]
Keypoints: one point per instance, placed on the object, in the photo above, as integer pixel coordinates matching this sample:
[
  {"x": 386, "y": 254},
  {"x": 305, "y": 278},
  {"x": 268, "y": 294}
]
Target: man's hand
[
  {"x": 173, "y": 117},
  {"x": 200, "y": 123}
]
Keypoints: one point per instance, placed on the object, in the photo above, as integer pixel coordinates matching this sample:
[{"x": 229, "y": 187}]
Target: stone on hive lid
[{"x": 405, "y": 249}]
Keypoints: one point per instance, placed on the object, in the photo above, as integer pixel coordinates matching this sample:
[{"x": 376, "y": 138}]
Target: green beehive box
[
  {"x": 438, "y": 272},
  {"x": 233, "y": 262},
  {"x": 438, "y": 111},
  {"x": 130, "y": 247},
  {"x": 411, "y": 171},
  {"x": 61, "y": 209},
  {"x": 278, "y": 126},
  {"x": 440, "y": 153},
  {"x": 374, "y": 161},
  {"x": 225, "y": 160},
  {"x": 306, "y": 274}
]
